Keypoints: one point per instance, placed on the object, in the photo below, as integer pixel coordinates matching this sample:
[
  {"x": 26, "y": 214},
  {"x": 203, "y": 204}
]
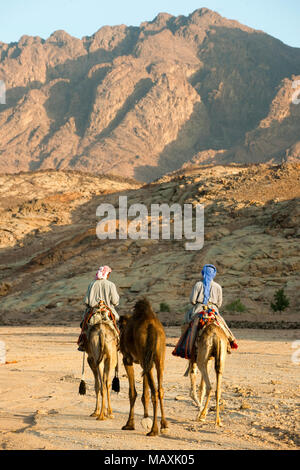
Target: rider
[
  {"x": 101, "y": 293},
  {"x": 208, "y": 293}
]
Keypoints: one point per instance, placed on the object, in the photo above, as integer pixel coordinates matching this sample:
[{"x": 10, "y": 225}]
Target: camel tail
[
  {"x": 218, "y": 356},
  {"x": 150, "y": 349},
  {"x": 97, "y": 343}
]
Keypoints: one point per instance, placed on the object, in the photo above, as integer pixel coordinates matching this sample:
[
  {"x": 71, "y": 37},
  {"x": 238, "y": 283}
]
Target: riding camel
[
  {"x": 102, "y": 350},
  {"x": 211, "y": 343},
  {"x": 143, "y": 341}
]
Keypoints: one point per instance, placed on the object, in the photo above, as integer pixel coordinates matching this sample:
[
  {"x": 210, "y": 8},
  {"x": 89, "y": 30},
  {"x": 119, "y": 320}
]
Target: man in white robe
[{"x": 101, "y": 293}]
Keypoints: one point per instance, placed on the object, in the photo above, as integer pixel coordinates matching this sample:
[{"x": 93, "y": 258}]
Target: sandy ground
[{"x": 40, "y": 407}]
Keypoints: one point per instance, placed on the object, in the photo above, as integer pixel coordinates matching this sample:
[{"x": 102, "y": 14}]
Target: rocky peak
[
  {"x": 146, "y": 100},
  {"x": 201, "y": 12},
  {"x": 60, "y": 36}
]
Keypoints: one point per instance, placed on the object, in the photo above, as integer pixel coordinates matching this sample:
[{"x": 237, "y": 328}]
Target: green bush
[
  {"x": 163, "y": 307},
  {"x": 281, "y": 302},
  {"x": 236, "y": 306}
]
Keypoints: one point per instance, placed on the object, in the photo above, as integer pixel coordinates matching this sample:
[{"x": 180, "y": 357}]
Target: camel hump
[
  {"x": 150, "y": 348},
  {"x": 143, "y": 308}
]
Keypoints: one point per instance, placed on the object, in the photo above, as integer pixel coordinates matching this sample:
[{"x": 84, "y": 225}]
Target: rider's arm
[
  {"x": 220, "y": 297},
  {"x": 196, "y": 293},
  {"x": 87, "y": 295},
  {"x": 114, "y": 295}
]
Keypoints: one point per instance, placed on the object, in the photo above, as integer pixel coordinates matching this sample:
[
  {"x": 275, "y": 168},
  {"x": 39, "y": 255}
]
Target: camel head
[{"x": 142, "y": 307}]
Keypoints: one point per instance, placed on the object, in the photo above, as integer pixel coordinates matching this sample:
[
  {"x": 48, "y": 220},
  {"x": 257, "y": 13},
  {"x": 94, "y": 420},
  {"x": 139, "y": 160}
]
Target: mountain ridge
[{"x": 143, "y": 101}]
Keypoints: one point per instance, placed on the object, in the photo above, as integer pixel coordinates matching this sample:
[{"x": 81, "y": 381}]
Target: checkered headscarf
[{"x": 103, "y": 272}]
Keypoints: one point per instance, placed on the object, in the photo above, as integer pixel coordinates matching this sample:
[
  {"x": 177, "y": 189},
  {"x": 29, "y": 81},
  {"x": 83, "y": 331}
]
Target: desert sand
[{"x": 40, "y": 407}]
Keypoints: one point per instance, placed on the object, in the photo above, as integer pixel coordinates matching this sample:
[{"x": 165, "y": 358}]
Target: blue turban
[{"x": 208, "y": 272}]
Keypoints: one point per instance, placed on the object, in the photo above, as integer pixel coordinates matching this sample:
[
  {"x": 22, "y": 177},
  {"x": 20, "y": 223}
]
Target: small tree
[
  {"x": 236, "y": 306},
  {"x": 164, "y": 307},
  {"x": 281, "y": 302}
]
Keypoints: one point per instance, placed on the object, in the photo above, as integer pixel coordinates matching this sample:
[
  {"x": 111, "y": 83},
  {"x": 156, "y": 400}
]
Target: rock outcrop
[{"x": 50, "y": 252}]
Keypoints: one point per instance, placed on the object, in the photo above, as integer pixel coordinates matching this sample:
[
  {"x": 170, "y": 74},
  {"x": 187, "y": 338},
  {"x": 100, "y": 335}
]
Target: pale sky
[{"x": 279, "y": 18}]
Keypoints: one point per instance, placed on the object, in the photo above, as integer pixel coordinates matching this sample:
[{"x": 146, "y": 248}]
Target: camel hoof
[
  {"x": 128, "y": 427},
  {"x": 164, "y": 427},
  {"x": 111, "y": 416},
  {"x": 164, "y": 430},
  {"x": 101, "y": 418},
  {"x": 93, "y": 415},
  {"x": 219, "y": 424},
  {"x": 152, "y": 433},
  {"x": 201, "y": 418}
]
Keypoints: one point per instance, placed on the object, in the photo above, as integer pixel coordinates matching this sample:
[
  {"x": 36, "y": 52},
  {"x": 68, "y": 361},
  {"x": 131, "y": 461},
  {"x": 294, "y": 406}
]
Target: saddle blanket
[
  {"x": 185, "y": 346},
  {"x": 94, "y": 315}
]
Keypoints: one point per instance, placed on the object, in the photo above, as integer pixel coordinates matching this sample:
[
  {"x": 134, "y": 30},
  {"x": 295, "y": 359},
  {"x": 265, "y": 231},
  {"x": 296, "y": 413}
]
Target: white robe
[
  {"x": 197, "y": 296},
  {"x": 103, "y": 289},
  {"x": 214, "y": 301}
]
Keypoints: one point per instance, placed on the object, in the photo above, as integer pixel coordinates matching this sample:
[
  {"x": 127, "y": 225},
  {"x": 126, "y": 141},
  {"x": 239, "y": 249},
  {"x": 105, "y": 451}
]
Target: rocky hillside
[
  {"x": 31, "y": 203},
  {"x": 143, "y": 101},
  {"x": 50, "y": 252}
]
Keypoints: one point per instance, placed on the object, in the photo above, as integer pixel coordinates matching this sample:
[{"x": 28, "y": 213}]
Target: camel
[
  {"x": 143, "y": 341},
  {"x": 102, "y": 350},
  {"x": 211, "y": 343}
]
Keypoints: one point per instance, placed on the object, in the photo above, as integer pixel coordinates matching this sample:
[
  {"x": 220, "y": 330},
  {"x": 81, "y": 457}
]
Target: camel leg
[
  {"x": 132, "y": 397},
  {"x": 94, "y": 369},
  {"x": 108, "y": 372},
  {"x": 154, "y": 396},
  {"x": 101, "y": 416},
  {"x": 204, "y": 372},
  {"x": 218, "y": 396},
  {"x": 200, "y": 396},
  {"x": 109, "y": 408},
  {"x": 145, "y": 397},
  {"x": 219, "y": 367},
  {"x": 193, "y": 378},
  {"x": 163, "y": 422},
  {"x": 202, "y": 388}
]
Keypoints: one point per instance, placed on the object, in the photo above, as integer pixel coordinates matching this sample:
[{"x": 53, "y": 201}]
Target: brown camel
[
  {"x": 102, "y": 350},
  {"x": 143, "y": 341},
  {"x": 212, "y": 343}
]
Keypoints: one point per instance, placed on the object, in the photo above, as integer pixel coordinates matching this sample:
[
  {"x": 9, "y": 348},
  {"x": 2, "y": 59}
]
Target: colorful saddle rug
[
  {"x": 94, "y": 315},
  {"x": 185, "y": 346}
]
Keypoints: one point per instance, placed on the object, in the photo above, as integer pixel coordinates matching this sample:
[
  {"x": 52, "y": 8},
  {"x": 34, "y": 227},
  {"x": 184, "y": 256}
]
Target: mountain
[{"x": 143, "y": 101}]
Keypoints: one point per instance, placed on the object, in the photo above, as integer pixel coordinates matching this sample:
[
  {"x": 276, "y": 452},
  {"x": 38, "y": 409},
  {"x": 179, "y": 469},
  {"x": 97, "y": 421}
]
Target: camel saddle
[
  {"x": 185, "y": 346},
  {"x": 93, "y": 316}
]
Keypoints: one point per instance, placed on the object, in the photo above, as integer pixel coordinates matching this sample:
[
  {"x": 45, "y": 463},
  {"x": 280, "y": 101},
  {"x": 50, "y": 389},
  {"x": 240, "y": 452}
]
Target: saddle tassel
[
  {"x": 82, "y": 385},
  {"x": 116, "y": 382}
]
